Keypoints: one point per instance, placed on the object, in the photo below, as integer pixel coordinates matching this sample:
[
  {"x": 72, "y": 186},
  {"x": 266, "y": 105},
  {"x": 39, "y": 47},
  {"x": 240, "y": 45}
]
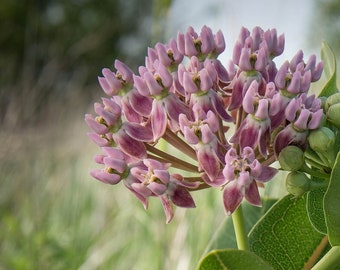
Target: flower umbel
[{"x": 228, "y": 123}]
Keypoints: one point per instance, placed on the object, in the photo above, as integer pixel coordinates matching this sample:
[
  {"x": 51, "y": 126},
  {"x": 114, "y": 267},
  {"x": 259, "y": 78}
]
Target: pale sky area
[{"x": 290, "y": 17}]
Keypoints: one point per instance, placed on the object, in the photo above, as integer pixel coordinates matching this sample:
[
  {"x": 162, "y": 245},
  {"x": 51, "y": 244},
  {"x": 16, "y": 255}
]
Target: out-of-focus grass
[{"x": 55, "y": 216}]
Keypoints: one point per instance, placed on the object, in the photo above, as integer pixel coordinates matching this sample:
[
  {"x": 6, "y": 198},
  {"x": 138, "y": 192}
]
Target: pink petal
[
  {"x": 168, "y": 208},
  {"x": 314, "y": 123},
  {"x": 105, "y": 177},
  {"x": 117, "y": 164},
  {"x": 138, "y": 132},
  {"x": 129, "y": 145},
  {"x": 252, "y": 194},
  {"x": 188, "y": 83},
  {"x": 158, "y": 119},
  {"x": 153, "y": 86},
  {"x": 218, "y": 106},
  {"x": 141, "y": 86},
  {"x": 140, "y": 104},
  {"x": 162, "y": 175},
  {"x": 94, "y": 125},
  {"x": 97, "y": 139},
  {"x": 124, "y": 70},
  {"x": 249, "y": 136},
  {"x": 182, "y": 198},
  {"x": 175, "y": 107},
  {"x": 208, "y": 161},
  {"x": 143, "y": 199},
  {"x": 267, "y": 173},
  {"x": 219, "y": 181},
  {"x": 232, "y": 197},
  {"x": 190, "y": 136},
  {"x": 302, "y": 120},
  {"x": 157, "y": 188},
  {"x": 206, "y": 81}
]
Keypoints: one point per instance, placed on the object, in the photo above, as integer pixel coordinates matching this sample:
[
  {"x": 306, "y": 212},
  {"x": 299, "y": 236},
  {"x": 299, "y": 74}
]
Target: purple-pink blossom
[
  {"x": 241, "y": 172},
  {"x": 187, "y": 121}
]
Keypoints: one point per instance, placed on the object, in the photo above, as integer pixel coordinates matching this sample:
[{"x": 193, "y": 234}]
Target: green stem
[
  {"x": 240, "y": 230},
  {"x": 312, "y": 172},
  {"x": 330, "y": 260}
]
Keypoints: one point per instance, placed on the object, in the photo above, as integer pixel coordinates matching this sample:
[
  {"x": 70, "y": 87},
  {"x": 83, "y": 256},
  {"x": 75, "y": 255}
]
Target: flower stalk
[
  {"x": 330, "y": 260},
  {"x": 240, "y": 229}
]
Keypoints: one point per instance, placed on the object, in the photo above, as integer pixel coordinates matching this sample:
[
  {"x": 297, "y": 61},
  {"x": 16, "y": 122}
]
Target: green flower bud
[
  {"x": 333, "y": 115},
  {"x": 291, "y": 158},
  {"x": 332, "y": 100},
  {"x": 297, "y": 183},
  {"x": 322, "y": 141}
]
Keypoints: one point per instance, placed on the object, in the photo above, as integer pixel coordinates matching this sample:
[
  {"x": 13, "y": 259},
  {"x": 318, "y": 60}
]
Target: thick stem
[
  {"x": 178, "y": 143},
  {"x": 176, "y": 162},
  {"x": 240, "y": 230},
  {"x": 330, "y": 260}
]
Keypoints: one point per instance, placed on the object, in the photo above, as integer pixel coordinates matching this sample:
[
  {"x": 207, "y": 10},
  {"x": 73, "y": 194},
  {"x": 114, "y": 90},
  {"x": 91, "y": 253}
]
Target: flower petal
[
  {"x": 158, "y": 119},
  {"x": 168, "y": 208},
  {"x": 252, "y": 194},
  {"x": 181, "y": 197},
  {"x": 267, "y": 173},
  {"x": 208, "y": 161},
  {"x": 138, "y": 132},
  {"x": 105, "y": 177},
  {"x": 129, "y": 145},
  {"x": 157, "y": 188},
  {"x": 232, "y": 197}
]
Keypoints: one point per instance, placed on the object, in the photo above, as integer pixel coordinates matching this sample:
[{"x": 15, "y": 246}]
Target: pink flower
[
  {"x": 129, "y": 136},
  {"x": 165, "y": 104},
  {"x": 255, "y": 130},
  {"x": 204, "y": 45},
  {"x": 304, "y": 114},
  {"x": 209, "y": 150},
  {"x": 155, "y": 180},
  {"x": 241, "y": 173}
]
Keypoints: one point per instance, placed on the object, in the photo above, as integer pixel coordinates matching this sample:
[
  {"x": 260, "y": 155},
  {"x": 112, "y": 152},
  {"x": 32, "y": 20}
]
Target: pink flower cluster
[{"x": 229, "y": 121}]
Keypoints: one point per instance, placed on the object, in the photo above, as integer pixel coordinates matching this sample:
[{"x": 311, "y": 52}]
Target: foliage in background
[
  {"x": 52, "y": 51},
  {"x": 325, "y": 24}
]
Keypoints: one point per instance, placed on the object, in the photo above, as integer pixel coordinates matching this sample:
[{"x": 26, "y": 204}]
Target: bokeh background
[{"x": 53, "y": 215}]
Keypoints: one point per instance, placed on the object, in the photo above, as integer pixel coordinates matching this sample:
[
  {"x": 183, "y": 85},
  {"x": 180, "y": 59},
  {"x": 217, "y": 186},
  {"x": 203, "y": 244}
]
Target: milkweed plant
[{"x": 232, "y": 126}]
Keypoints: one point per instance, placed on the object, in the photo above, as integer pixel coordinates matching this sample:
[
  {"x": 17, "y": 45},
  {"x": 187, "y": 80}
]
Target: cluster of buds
[{"x": 228, "y": 122}]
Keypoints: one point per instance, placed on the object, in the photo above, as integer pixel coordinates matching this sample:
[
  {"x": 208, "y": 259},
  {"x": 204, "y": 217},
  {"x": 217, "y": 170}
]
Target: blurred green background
[{"x": 53, "y": 215}]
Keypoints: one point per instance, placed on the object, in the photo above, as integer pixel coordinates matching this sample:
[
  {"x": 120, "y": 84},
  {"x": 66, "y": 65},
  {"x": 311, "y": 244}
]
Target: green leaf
[
  {"x": 233, "y": 259},
  {"x": 331, "y": 205},
  {"x": 315, "y": 209},
  {"x": 329, "y": 60},
  {"x": 225, "y": 235},
  {"x": 284, "y": 236}
]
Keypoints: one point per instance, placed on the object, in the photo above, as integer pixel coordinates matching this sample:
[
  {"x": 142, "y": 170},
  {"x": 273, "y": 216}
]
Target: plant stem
[
  {"x": 240, "y": 230},
  {"x": 330, "y": 260}
]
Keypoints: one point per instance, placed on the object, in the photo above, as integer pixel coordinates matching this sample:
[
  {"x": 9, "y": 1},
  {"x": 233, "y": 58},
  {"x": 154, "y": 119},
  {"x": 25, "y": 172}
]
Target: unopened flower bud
[
  {"x": 322, "y": 141},
  {"x": 333, "y": 113},
  {"x": 332, "y": 100},
  {"x": 291, "y": 158},
  {"x": 297, "y": 183}
]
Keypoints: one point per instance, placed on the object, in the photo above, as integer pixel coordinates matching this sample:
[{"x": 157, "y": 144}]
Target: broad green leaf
[
  {"x": 331, "y": 205},
  {"x": 284, "y": 237},
  {"x": 234, "y": 260},
  {"x": 225, "y": 235},
  {"x": 328, "y": 58},
  {"x": 315, "y": 209}
]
